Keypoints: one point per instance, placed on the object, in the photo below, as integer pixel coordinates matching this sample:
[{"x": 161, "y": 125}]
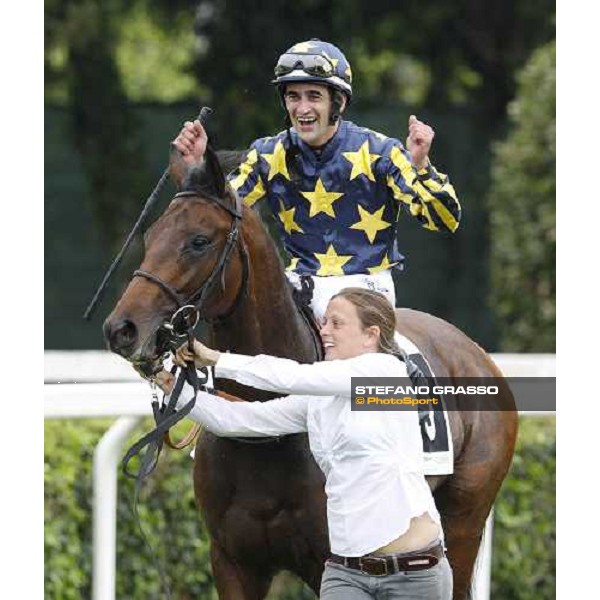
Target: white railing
[{"x": 95, "y": 384}]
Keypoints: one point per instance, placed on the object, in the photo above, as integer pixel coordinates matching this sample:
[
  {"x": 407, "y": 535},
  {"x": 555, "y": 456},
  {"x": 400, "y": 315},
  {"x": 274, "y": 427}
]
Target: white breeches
[{"x": 326, "y": 287}]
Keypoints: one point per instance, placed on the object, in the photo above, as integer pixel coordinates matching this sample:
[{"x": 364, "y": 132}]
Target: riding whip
[{"x": 204, "y": 113}]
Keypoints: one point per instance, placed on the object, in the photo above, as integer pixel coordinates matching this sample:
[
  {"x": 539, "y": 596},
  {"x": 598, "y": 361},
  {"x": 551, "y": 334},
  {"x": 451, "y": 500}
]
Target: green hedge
[
  {"x": 522, "y": 204},
  {"x": 524, "y": 536},
  {"x": 167, "y": 513},
  {"x": 524, "y": 549}
]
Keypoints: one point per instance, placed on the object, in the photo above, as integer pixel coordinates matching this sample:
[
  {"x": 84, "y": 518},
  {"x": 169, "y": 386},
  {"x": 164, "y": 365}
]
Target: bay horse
[{"x": 264, "y": 503}]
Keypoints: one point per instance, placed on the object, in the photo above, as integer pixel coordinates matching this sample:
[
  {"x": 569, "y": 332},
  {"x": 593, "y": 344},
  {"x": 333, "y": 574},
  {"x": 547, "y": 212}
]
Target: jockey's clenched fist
[
  {"x": 191, "y": 142},
  {"x": 418, "y": 142}
]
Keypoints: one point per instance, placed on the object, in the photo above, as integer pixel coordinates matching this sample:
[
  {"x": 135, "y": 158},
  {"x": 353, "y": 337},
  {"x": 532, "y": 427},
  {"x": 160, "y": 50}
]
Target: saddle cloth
[{"x": 438, "y": 450}]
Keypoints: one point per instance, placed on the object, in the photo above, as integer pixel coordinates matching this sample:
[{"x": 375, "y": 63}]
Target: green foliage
[
  {"x": 442, "y": 58},
  {"x": 67, "y": 528},
  {"x": 524, "y": 532},
  {"x": 453, "y": 52},
  {"x": 390, "y": 76},
  {"x": 102, "y": 125},
  {"x": 155, "y": 56},
  {"x": 167, "y": 512},
  {"x": 524, "y": 549},
  {"x": 154, "y": 46},
  {"x": 523, "y": 214}
]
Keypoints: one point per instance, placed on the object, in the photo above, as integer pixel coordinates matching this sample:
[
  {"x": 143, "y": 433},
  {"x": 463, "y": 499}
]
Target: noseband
[{"x": 198, "y": 298}]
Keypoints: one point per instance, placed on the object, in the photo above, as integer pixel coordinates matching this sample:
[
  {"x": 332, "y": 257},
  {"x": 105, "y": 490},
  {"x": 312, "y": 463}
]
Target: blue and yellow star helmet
[{"x": 315, "y": 61}]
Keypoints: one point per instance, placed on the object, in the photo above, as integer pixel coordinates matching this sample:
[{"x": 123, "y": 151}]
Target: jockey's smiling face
[
  {"x": 343, "y": 333},
  {"x": 309, "y": 107}
]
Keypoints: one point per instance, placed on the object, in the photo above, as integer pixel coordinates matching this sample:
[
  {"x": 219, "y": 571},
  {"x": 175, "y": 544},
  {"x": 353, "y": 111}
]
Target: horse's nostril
[{"x": 121, "y": 336}]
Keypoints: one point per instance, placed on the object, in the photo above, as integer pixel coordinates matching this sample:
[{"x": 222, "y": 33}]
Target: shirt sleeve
[
  {"x": 427, "y": 194},
  {"x": 246, "y": 180},
  {"x": 327, "y": 378},
  {"x": 222, "y": 417}
]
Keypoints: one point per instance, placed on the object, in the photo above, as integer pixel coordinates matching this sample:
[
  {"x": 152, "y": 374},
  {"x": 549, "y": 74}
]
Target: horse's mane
[{"x": 231, "y": 159}]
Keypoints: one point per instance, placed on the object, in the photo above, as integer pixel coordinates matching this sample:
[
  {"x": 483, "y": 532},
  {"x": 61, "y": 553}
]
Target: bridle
[
  {"x": 149, "y": 447},
  {"x": 198, "y": 298}
]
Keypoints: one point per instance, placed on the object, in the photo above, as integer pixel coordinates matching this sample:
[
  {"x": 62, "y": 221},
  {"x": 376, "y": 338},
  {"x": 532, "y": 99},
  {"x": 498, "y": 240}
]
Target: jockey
[{"x": 334, "y": 187}]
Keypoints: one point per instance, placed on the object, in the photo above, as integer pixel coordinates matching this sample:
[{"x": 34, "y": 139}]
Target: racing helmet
[{"x": 315, "y": 61}]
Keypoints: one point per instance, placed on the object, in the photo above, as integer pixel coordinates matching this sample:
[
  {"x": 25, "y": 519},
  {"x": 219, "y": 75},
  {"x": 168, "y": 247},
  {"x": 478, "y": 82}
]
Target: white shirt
[{"x": 372, "y": 461}]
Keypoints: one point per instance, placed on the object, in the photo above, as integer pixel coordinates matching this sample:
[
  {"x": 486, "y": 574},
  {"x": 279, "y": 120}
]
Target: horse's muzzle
[{"x": 121, "y": 335}]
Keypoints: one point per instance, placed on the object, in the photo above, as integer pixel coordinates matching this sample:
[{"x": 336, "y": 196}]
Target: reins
[
  {"x": 166, "y": 417},
  {"x": 149, "y": 447}
]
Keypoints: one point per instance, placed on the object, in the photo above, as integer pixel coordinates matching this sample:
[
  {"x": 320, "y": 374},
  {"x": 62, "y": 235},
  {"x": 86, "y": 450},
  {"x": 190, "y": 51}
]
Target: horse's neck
[{"x": 267, "y": 320}]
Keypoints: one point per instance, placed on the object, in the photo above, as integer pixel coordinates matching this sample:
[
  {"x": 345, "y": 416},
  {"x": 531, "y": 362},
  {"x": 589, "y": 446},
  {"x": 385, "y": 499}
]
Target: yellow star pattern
[
  {"x": 258, "y": 191},
  {"x": 348, "y": 72},
  {"x": 321, "y": 200},
  {"x": 302, "y": 47},
  {"x": 331, "y": 263},
  {"x": 246, "y": 169},
  {"x": 287, "y": 218},
  {"x": 370, "y": 223},
  {"x": 361, "y": 161},
  {"x": 277, "y": 162},
  {"x": 384, "y": 266}
]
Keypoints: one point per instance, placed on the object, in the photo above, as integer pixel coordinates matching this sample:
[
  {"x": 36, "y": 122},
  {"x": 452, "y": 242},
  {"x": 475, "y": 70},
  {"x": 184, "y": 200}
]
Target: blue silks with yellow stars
[{"x": 339, "y": 217}]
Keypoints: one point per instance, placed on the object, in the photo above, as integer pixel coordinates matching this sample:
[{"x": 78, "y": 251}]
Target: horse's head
[{"x": 194, "y": 254}]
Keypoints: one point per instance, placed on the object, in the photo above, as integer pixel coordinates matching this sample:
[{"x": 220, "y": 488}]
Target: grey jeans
[{"x": 341, "y": 583}]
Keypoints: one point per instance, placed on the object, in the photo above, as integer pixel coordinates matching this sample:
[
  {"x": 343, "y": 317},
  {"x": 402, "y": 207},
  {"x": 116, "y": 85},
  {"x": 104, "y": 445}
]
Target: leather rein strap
[
  {"x": 165, "y": 417},
  {"x": 148, "y": 450}
]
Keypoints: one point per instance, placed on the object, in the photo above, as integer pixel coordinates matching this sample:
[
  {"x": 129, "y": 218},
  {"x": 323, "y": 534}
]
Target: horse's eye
[{"x": 199, "y": 242}]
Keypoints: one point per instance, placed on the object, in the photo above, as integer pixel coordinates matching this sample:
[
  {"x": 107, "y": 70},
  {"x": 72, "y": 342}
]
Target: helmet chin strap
[
  {"x": 337, "y": 99},
  {"x": 291, "y": 155}
]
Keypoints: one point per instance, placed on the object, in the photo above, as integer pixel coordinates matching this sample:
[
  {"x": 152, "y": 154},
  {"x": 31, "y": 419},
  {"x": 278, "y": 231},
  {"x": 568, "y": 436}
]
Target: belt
[{"x": 392, "y": 563}]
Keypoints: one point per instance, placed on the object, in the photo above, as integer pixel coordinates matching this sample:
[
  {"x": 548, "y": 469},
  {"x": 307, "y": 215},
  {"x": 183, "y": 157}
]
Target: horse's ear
[
  {"x": 179, "y": 170},
  {"x": 213, "y": 174}
]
